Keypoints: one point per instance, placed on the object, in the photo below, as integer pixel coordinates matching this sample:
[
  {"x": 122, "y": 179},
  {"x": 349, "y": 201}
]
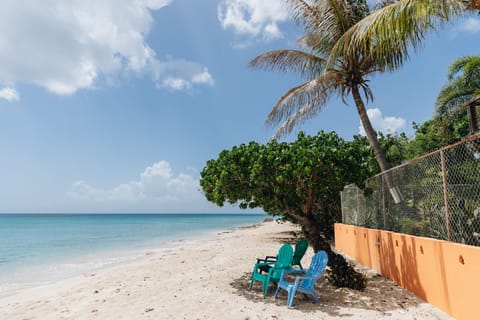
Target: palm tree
[
  {"x": 389, "y": 34},
  {"x": 462, "y": 89},
  {"x": 325, "y": 23}
]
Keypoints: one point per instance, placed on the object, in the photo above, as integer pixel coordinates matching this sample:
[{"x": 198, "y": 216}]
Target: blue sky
[{"x": 116, "y": 105}]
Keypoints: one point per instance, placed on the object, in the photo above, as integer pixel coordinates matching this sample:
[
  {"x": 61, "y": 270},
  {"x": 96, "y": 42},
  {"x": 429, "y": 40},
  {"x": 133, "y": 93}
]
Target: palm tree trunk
[
  {"x": 370, "y": 132},
  {"x": 379, "y": 155}
]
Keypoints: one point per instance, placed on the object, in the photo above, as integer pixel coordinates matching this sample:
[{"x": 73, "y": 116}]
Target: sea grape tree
[{"x": 299, "y": 181}]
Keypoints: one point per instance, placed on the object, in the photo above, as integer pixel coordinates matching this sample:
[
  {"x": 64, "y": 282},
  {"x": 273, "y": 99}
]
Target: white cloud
[
  {"x": 65, "y": 46},
  {"x": 383, "y": 124},
  {"x": 181, "y": 74},
  {"x": 156, "y": 190},
  {"x": 253, "y": 18},
  {"x": 156, "y": 184},
  {"x": 471, "y": 25},
  {"x": 9, "y": 94}
]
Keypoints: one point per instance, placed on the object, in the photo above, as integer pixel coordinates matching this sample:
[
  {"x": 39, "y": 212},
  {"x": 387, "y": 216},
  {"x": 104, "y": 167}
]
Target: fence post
[
  {"x": 384, "y": 207},
  {"x": 445, "y": 193}
]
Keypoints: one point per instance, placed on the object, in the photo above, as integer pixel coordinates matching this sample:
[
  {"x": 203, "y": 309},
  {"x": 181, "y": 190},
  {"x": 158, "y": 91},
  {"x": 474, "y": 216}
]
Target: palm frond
[
  {"x": 331, "y": 17},
  {"x": 338, "y": 17},
  {"x": 306, "y": 99},
  {"x": 386, "y": 35},
  {"x": 471, "y": 71},
  {"x": 316, "y": 42},
  {"x": 302, "y": 115},
  {"x": 457, "y": 66},
  {"x": 303, "y": 63},
  {"x": 305, "y": 13},
  {"x": 452, "y": 95}
]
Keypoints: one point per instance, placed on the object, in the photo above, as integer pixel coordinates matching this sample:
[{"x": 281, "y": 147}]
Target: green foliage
[
  {"x": 438, "y": 132},
  {"x": 287, "y": 179},
  {"x": 395, "y": 147},
  {"x": 464, "y": 83},
  {"x": 298, "y": 181}
]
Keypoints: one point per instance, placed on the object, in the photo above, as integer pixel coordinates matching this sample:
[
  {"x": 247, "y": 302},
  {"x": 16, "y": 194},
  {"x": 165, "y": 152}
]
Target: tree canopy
[
  {"x": 298, "y": 181},
  {"x": 287, "y": 179}
]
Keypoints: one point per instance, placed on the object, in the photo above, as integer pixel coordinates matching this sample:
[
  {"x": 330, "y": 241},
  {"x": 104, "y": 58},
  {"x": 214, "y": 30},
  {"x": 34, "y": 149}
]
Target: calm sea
[{"x": 37, "y": 248}]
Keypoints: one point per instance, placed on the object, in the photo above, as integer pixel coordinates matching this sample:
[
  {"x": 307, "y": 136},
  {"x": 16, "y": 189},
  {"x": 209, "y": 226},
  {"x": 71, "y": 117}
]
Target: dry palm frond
[{"x": 305, "y": 64}]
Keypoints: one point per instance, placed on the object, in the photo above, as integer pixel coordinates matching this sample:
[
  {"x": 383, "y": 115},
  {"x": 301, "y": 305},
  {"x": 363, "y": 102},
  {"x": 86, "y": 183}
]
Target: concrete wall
[{"x": 445, "y": 274}]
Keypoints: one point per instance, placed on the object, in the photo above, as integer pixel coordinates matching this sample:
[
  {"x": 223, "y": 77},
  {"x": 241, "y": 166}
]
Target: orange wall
[{"x": 445, "y": 274}]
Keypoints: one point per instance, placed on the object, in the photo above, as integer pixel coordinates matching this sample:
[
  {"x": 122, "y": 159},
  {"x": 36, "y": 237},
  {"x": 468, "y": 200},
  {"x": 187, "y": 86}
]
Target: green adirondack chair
[
  {"x": 283, "y": 261},
  {"x": 300, "y": 249}
]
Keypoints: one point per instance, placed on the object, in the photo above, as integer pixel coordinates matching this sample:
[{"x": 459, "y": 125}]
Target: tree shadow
[
  {"x": 381, "y": 295},
  {"x": 399, "y": 262}
]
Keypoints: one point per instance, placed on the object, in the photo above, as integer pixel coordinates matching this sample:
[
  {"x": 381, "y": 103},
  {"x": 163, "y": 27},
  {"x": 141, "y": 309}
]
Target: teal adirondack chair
[
  {"x": 283, "y": 261},
  {"x": 300, "y": 249},
  {"x": 304, "y": 284}
]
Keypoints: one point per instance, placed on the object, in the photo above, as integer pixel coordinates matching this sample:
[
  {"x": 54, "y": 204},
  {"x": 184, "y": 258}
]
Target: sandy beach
[{"x": 208, "y": 279}]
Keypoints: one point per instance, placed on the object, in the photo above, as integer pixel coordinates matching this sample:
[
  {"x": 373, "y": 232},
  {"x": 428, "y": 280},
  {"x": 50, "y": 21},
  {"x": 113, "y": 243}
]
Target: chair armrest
[
  {"x": 286, "y": 272},
  {"x": 261, "y": 264},
  {"x": 301, "y": 278},
  {"x": 267, "y": 259}
]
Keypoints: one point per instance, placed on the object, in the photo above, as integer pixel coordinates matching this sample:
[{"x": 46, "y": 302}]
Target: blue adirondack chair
[
  {"x": 304, "y": 284},
  {"x": 283, "y": 261}
]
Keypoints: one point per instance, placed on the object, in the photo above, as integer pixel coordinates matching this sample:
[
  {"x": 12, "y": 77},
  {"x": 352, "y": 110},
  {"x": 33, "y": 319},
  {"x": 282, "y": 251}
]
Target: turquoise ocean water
[{"x": 39, "y": 248}]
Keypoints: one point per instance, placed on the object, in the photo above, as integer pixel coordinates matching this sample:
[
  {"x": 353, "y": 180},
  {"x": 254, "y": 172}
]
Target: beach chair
[
  {"x": 283, "y": 261},
  {"x": 300, "y": 249},
  {"x": 304, "y": 284}
]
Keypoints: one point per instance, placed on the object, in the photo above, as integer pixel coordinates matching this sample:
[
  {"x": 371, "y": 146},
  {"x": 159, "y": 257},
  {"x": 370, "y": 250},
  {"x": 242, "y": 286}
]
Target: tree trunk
[
  {"x": 342, "y": 273},
  {"x": 370, "y": 132},
  {"x": 472, "y": 117},
  {"x": 379, "y": 155}
]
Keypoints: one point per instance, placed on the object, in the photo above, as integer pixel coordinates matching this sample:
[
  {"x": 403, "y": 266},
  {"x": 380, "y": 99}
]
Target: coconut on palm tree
[
  {"x": 462, "y": 89},
  {"x": 325, "y": 23}
]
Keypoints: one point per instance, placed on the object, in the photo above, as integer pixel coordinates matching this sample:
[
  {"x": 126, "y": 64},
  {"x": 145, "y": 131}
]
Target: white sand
[{"x": 207, "y": 279}]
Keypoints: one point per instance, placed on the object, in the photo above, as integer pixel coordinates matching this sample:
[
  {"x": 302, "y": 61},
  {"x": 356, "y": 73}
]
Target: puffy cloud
[
  {"x": 156, "y": 185},
  {"x": 253, "y": 18},
  {"x": 471, "y": 25},
  {"x": 181, "y": 74},
  {"x": 383, "y": 124},
  {"x": 9, "y": 94},
  {"x": 64, "y": 46},
  {"x": 156, "y": 190}
]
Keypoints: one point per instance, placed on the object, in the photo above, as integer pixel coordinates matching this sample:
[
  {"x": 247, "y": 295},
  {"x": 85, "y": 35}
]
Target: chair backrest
[
  {"x": 284, "y": 259},
  {"x": 317, "y": 266},
  {"x": 300, "y": 249}
]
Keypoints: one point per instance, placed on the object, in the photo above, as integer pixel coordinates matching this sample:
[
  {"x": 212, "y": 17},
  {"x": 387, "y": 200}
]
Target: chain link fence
[{"x": 436, "y": 195}]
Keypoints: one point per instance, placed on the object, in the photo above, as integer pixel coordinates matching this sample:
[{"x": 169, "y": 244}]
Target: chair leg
[
  {"x": 265, "y": 288},
  {"x": 315, "y": 296},
  {"x": 291, "y": 295},
  {"x": 276, "y": 291}
]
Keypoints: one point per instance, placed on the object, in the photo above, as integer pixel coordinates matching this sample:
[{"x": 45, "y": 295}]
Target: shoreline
[
  {"x": 205, "y": 278},
  {"x": 46, "y": 271}
]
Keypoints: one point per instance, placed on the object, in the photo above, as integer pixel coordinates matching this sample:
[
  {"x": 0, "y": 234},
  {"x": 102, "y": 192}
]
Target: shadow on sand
[{"x": 381, "y": 295}]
